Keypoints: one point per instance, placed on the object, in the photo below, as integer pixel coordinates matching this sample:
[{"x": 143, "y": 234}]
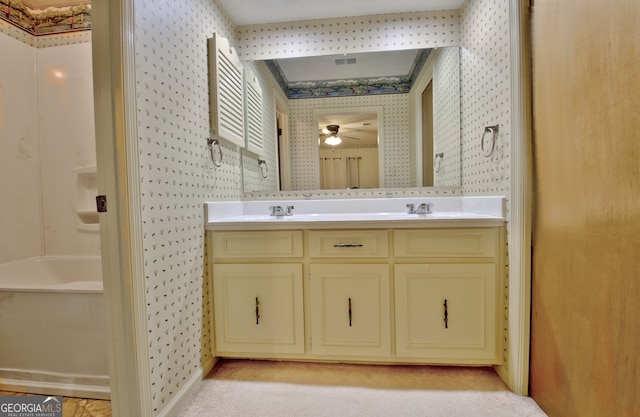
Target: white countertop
[{"x": 482, "y": 211}]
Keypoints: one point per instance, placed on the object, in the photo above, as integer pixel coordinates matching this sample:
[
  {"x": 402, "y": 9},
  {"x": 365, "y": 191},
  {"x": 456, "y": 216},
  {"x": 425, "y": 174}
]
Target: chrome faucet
[
  {"x": 423, "y": 208},
  {"x": 279, "y": 211}
]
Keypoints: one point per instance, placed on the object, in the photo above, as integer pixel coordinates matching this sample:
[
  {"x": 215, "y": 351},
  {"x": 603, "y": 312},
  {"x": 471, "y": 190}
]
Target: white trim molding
[
  {"x": 121, "y": 225},
  {"x": 519, "y": 241}
]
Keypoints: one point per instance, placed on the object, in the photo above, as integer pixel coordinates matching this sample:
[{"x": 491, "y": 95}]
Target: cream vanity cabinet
[
  {"x": 350, "y": 295},
  {"x": 258, "y": 306},
  {"x": 428, "y": 295},
  {"x": 446, "y": 294}
]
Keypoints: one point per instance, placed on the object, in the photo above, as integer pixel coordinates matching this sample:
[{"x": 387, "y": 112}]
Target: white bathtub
[{"x": 53, "y": 336}]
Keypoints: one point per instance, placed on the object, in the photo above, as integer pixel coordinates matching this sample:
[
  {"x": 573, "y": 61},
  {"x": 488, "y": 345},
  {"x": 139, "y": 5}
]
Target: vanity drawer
[
  {"x": 446, "y": 243},
  {"x": 271, "y": 244},
  {"x": 348, "y": 243}
]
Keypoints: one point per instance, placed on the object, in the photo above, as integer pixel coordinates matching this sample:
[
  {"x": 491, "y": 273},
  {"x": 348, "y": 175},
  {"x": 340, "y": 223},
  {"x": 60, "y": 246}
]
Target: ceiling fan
[{"x": 331, "y": 135}]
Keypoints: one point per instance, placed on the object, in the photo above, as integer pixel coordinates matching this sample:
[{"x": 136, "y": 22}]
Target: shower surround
[
  {"x": 46, "y": 132},
  {"x": 46, "y": 139}
]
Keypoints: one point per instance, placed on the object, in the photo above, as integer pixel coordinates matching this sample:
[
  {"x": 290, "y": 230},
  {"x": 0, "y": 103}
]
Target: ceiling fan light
[{"x": 333, "y": 140}]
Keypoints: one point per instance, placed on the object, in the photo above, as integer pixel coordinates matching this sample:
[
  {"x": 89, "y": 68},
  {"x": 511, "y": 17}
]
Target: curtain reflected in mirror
[{"x": 340, "y": 172}]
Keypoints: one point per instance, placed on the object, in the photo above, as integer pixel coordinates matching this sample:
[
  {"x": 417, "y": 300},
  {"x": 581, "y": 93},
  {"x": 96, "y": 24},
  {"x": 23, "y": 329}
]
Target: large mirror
[{"x": 406, "y": 104}]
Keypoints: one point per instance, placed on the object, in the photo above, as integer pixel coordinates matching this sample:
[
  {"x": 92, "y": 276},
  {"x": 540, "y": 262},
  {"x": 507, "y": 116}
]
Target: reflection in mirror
[
  {"x": 403, "y": 152},
  {"x": 348, "y": 144}
]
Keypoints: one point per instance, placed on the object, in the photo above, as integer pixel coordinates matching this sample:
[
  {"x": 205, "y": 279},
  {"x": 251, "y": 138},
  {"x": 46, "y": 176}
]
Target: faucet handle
[
  {"x": 424, "y": 208},
  {"x": 411, "y": 208},
  {"x": 275, "y": 210},
  {"x": 289, "y": 211}
]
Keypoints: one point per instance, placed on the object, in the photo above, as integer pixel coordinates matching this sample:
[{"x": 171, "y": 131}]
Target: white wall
[
  {"x": 20, "y": 186},
  {"x": 67, "y": 137},
  {"x": 46, "y": 131}
]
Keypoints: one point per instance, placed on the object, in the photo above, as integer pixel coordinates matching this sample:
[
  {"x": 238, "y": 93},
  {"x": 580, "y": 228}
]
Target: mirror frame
[{"x": 370, "y": 109}]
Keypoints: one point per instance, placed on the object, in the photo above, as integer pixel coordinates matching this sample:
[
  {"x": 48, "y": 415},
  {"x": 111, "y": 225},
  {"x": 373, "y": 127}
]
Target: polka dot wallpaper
[
  {"x": 177, "y": 177},
  {"x": 443, "y": 66},
  {"x": 446, "y": 98},
  {"x": 486, "y": 101},
  {"x": 349, "y": 34}
]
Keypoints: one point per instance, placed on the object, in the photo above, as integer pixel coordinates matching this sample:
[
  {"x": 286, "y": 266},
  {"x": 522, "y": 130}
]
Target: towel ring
[
  {"x": 211, "y": 143},
  {"x": 436, "y": 161},
  {"x": 493, "y": 130},
  {"x": 264, "y": 168}
]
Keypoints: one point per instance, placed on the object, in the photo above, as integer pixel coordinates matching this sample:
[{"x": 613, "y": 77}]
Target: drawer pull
[
  {"x": 446, "y": 314},
  {"x": 257, "y": 311},
  {"x": 350, "y": 312},
  {"x": 348, "y": 245}
]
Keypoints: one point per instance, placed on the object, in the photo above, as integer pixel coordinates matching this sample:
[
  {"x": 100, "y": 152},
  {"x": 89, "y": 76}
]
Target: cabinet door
[
  {"x": 226, "y": 100},
  {"x": 258, "y": 308},
  {"x": 350, "y": 310},
  {"x": 446, "y": 313}
]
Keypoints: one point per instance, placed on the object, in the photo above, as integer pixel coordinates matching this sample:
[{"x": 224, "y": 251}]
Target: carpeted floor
[{"x": 293, "y": 389}]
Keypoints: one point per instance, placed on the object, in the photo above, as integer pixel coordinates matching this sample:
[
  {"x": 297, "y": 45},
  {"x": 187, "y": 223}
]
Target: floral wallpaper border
[
  {"x": 47, "y": 21},
  {"x": 400, "y": 84}
]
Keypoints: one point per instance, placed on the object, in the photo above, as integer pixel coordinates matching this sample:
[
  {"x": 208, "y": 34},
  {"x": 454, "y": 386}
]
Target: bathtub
[{"x": 53, "y": 334}]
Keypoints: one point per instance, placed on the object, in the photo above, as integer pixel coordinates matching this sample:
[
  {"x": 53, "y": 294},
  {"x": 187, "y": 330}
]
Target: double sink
[{"x": 476, "y": 211}]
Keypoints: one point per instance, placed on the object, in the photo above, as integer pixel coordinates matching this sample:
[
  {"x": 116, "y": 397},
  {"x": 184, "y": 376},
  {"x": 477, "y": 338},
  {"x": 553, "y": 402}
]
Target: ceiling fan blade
[{"x": 347, "y": 130}]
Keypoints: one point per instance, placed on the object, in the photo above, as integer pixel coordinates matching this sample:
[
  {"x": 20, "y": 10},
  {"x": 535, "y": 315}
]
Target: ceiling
[
  {"x": 361, "y": 65},
  {"x": 249, "y": 12}
]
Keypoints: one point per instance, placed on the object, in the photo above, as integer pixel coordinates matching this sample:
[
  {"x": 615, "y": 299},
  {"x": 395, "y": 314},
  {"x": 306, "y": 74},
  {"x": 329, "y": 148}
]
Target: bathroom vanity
[{"x": 359, "y": 280}]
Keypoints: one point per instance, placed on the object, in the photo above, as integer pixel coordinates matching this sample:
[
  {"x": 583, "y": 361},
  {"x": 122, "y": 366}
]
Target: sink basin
[{"x": 380, "y": 213}]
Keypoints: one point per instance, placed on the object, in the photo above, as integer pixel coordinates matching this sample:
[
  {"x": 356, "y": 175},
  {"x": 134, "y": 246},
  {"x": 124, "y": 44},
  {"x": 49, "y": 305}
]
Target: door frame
[{"x": 121, "y": 226}]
